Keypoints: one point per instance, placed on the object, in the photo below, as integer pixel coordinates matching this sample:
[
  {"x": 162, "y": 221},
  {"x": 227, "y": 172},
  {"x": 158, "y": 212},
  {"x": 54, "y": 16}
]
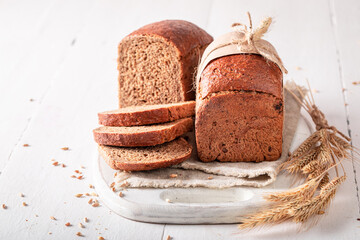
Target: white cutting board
[{"x": 188, "y": 205}]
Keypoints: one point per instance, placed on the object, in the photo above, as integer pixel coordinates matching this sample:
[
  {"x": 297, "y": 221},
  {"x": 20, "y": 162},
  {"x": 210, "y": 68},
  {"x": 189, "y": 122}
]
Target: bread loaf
[
  {"x": 239, "y": 113},
  {"x": 146, "y": 158},
  {"x": 148, "y": 114},
  {"x": 157, "y": 62}
]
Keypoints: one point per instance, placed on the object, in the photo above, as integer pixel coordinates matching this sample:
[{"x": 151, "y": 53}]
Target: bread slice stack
[{"x": 147, "y": 137}]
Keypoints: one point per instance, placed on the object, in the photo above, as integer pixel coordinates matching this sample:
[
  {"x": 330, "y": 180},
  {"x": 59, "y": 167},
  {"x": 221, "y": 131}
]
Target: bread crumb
[
  {"x": 81, "y": 225},
  {"x": 356, "y": 83},
  {"x": 82, "y": 167},
  {"x": 168, "y": 200},
  {"x": 63, "y": 165},
  {"x": 68, "y": 224},
  {"x": 173, "y": 175},
  {"x": 24, "y": 204},
  {"x": 53, "y": 159},
  {"x": 4, "y": 206},
  {"x": 85, "y": 219},
  {"x": 315, "y": 90},
  {"x": 320, "y": 212},
  {"x": 121, "y": 194},
  {"x": 168, "y": 237},
  {"x": 101, "y": 238},
  {"x": 91, "y": 186},
  {"x": 49, "y": 233},
  {"x": 79, "y": 234},
  {"x": 65, "y": 148},
  {"x": 53, "y": 218},
  {"x": 79, "y": 195},
  {"x": 210, "y": 178},
  {"x": 36, "y": 215},
  {"x": 21, "y": 195},
  {"x": 298, "y": 68},
  {"x": 26, "y": 145},
  {"x": 55, "y": 163},
  {"x": 31, "y": 100}
]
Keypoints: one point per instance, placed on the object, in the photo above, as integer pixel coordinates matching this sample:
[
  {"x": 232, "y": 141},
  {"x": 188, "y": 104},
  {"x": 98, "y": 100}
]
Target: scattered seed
[
  {"x": 55, "y": 163},
  {"x": 115, "y": 174},
  {"x": 90, "y": 201},
  {"x": 82, "y": 167},
  {"x": 298, "y": 68},
  {"x": 53, "y": 218},
  {"x": 52, "y": 159},
  {"x": 26, "y": 145},
  {"x": 79, "y": 195},
  {"x": 21, "y": 195},
  {"x": 344, "y": 89},
  {"x": 85, "y": 219},
  {"x": 81, "y": 225},
  {"x": 174, "y": 175},
  {"x": 68, "y": 224},
  {"x": 112, "y": 184},
  {"x": 91, "y": 186},
  {"x": 121, "y": 194},
  {"x": 73, "y": 176},
  {"x": 113, "y": 189},
  {"x": 94, "y": 194},
  {"x": 210, "y": 177},
  {"x": 31, "y": 100},
  {"x": 87, "y": 194},
  {"x": 125, "y": 184},
  {"x": 101, "y": 238},
  {"x": 63, "y": 165},
  {"x": 356, "y": 83},
  {"x": 315, "y": 90},
  {"x": 49, "y": 233},
  {"x": 4, "y": 206},
  {"x": 95, "y": 204},
  {"x": 79, "y": 234},
  {"x": 168, "y": 237},
  {"x": 24, "y": 204},
  {"x": 77, "y": 171},
  {"x": 36, "y": 215},
  {"x": 168, "y": 200},
  {"x": 80, "y": 177},
  {"x": 65, "y": 148}
]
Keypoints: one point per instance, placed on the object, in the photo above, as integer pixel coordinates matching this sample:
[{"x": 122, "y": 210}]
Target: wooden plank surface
[{"x": 63, "y": 55}]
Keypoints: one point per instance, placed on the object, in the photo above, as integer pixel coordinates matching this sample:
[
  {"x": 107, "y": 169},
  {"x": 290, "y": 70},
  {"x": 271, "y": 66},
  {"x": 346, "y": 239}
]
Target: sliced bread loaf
[
  {"x": 137, "y": 136},
  {"x": 146, "y": 158},
  {"x": 157, "y": 63},
  {"x": 148, "y": 114}
]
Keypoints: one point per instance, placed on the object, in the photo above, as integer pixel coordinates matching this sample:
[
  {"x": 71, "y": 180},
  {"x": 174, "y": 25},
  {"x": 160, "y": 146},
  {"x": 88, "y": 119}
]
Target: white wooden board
[{"x": 187, "y": 205}]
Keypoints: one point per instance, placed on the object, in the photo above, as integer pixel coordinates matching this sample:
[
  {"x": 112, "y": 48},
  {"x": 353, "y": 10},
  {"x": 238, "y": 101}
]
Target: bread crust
[
  {"x": 143, "y": 138},
  {"x": 239, "y": 110},
  {"x": 188, "y": 40},
  {"x": 161, "y": 114},
  {"x": 141, "y": 166}
]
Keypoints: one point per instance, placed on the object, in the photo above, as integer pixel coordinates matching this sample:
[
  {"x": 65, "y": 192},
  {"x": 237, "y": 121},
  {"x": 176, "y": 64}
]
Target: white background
[{"x": 63, "y": 55}]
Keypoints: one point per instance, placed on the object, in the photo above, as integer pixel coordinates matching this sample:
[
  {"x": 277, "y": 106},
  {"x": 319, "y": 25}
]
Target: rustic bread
[
  {"x": 146, "y": 158},
  {"x": 142, "y": 135},
  {"x": 157, "y": 62},
  {"x": 148, "y": 114},
  {"x": 239, "y": 110}
]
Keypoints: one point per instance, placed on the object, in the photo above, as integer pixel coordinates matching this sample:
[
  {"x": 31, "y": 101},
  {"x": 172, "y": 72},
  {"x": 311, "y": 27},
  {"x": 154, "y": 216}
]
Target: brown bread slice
[
  {"x": 140, "y": 136},
  {"x": 148, "y": 114},
  {"x": 157, "y": 63},
  {"x": 146, "y": 158}
]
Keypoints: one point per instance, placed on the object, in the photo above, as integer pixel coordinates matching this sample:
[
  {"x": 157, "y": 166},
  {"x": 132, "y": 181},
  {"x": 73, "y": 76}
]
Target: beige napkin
[{"x": 194, "y": 173}]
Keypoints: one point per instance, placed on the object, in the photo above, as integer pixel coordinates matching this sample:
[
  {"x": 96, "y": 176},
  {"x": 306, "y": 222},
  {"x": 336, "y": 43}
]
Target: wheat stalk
[{"x": 319, "y": 154}]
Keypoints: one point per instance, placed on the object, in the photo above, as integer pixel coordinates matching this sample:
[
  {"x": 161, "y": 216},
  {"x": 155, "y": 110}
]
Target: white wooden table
[{"x": 62, "y": 56}]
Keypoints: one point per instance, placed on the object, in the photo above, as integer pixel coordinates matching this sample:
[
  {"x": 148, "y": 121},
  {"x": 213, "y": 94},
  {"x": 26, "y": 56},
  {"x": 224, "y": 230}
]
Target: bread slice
[
  {"x": 148, "y": 114},
  {"x": 157, "y": 63},
  {"x": 140, "y": 136},
  {"x": 146, "y": 158}
]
